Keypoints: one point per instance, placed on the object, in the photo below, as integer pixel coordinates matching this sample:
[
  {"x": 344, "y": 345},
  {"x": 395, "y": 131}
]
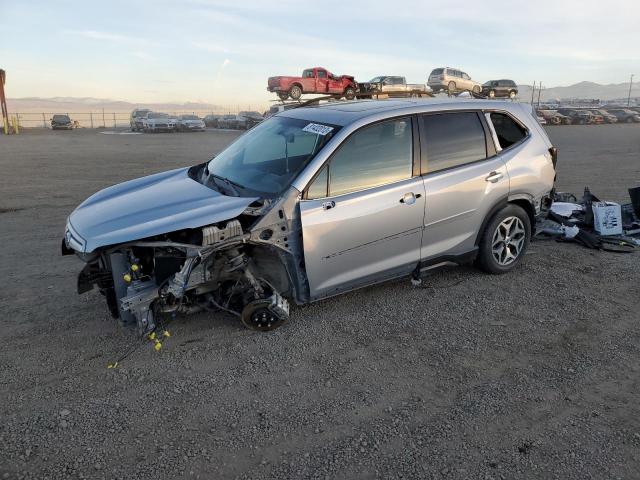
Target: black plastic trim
[{"x": 459, "y": 259}]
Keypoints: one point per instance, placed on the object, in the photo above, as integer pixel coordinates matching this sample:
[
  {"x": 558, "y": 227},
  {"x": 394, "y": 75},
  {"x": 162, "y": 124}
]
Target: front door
[
  {"x": 463, "y": 182},
  {"x": 362, "y": 216}
]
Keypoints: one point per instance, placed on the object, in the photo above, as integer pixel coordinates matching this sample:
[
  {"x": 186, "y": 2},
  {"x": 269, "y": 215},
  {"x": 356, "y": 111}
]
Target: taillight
[{"x": 554, "y": 156}]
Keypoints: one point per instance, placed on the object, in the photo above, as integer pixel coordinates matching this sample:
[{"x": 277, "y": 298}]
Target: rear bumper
[{"x": 436, "y": 87}]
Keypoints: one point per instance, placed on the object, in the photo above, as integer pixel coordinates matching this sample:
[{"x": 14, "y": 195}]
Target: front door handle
[
  {"x": 328, "y": 205},
  {"x": 494, "y": 177},
  {"x": 409, "y": 198}
]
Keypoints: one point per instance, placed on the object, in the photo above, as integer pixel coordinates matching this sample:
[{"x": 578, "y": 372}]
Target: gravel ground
[{"x": 534, "y": 374}]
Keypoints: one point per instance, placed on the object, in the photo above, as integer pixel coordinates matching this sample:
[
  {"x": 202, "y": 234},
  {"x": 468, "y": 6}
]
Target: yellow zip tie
[
  {"x": 166, "y": 333},
  {"x": 152, "y": 336},
  {"x": 157, "y": 346},
  {"x": 112, "y": 365}
]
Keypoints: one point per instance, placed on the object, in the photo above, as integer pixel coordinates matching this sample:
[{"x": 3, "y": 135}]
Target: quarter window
[
  {"x": 373, "y": 156},
  {"x": 508, "y": 131},
  {"x": 452, "y": 140}
]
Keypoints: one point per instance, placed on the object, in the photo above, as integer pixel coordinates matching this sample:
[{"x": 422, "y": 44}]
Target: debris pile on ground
[{"x": 594, "y": 223}]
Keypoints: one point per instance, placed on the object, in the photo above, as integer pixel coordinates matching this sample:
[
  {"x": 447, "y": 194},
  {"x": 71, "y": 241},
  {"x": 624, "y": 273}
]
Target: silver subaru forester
[{"x": 317, "y": 201}]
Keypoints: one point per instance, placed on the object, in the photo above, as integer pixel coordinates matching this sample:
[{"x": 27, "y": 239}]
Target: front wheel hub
[{"x": 265, "y": 314}]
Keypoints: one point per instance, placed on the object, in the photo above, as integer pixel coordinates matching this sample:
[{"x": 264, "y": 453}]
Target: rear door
[
  {"x": 362, "y": 215},
  {"x": 464, "y": 180}
]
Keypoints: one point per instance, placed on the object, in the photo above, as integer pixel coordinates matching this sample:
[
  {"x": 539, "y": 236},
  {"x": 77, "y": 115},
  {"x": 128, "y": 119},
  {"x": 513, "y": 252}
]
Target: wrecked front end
[{"x": 185, "y": 248}]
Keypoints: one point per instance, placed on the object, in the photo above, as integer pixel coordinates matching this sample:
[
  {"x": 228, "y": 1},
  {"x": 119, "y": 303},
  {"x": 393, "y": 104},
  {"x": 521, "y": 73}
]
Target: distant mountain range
[
  {"x": 585, "y": 90},
  {"x": 86, "y": 104}
]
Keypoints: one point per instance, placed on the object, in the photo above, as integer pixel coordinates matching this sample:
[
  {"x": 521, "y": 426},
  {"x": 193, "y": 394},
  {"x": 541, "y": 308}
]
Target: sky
[{"x": 223, "y": 51}]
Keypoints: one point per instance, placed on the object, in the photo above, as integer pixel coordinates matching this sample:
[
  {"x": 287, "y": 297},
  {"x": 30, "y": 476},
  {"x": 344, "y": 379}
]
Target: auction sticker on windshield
[{"x": 317, "y": 128}]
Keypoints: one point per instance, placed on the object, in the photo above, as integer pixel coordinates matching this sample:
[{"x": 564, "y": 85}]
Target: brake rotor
[{"x": 258, "y": 316}]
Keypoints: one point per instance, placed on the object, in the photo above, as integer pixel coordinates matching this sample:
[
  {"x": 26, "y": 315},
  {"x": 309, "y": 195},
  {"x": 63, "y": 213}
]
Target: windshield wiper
[{"x": 233, "y": 186}]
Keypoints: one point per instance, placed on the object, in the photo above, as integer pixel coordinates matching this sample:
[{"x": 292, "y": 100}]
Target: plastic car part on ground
[{"x": 571, "y": 220}]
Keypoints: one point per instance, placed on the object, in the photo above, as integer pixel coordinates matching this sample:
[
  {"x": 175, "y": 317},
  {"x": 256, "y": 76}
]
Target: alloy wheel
[{"x": 508, "y": 241}]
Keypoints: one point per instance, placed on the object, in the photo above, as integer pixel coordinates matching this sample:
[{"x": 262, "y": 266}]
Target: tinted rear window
[
  {"x": 507, "y": 130},
  {"x": 437, "y": 71},
  {"x": 453, "y": 139}
]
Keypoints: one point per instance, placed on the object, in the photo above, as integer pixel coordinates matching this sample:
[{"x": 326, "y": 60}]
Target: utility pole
[
  {"x": 3, "y": 102},
  {"x": 629, "y": 96},
  {"x": 539, "y": 91},
  {"x": 533, "y": 92}
]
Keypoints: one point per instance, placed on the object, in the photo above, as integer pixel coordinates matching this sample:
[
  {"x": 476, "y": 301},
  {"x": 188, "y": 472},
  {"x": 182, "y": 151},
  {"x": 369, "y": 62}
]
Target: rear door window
[
  {"x": 508, "y": 131},
  {"x": 452, "y": 140}
]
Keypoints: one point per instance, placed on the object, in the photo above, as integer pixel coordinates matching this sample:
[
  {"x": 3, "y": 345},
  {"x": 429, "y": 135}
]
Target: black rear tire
[{"x": 487, "y": 258}]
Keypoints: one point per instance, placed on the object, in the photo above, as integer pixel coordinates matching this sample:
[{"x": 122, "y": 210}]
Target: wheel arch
[
  {"x": 523, "y": 201},
  {"x": 526, "y": 203},
  {"x": 279, "y": 269}
]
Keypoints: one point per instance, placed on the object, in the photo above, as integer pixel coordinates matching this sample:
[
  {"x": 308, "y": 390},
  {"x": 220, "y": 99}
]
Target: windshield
[
  {"x": 189, "y": 117},
  {"x": 377, "y": 79},
  {"x": 62, "y": 118},
  {"x": 268, "y": 157},
  {"x": 158, "y": 115}
]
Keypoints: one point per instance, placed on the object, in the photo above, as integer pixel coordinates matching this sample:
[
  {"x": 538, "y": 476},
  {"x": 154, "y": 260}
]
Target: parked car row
[
  {"x": 594, "y": 116},
  {"x": 148, "y": 121},
  {"x": 242, "y": 121},
  {"x": 319, "y": 80}
]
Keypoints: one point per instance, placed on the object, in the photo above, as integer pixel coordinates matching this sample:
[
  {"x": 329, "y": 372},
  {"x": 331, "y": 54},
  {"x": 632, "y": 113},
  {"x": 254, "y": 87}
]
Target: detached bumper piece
[{"x": 593, "y": 224}]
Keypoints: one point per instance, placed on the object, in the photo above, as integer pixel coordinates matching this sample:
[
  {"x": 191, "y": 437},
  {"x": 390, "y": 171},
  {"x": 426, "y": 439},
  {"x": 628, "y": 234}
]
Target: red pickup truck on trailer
[{"x": 313, "y": 80}]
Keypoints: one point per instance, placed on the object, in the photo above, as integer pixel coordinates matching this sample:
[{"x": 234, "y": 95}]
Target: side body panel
[
  {"x": 458, "y": 201},
  {"x": 529, "y": 163}
]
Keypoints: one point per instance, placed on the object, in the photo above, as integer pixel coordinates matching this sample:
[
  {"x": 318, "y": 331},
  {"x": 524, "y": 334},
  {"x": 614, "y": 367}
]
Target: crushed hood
[{"x": 148, "y": 206}]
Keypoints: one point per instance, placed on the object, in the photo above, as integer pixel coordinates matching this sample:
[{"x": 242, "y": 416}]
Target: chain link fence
[{"x": 104, "y": 119}]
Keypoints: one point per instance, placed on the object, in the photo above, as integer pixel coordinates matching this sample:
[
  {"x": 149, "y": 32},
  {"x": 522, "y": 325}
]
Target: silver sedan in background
[{"x": 190, "y": 123}]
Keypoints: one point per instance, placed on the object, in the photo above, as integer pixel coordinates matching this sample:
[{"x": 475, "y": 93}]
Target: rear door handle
[
  {"x": 409, "y": 198},
  {"x": 494, "y": 177},
  {"x": 328, "y": 205}
]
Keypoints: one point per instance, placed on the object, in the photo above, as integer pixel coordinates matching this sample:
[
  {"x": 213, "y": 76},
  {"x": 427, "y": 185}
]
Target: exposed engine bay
[{"x": 249, "y": 266}]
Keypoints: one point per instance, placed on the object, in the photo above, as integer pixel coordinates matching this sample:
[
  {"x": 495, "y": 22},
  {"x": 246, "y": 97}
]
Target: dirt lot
[{"x": 535, "y": 374}]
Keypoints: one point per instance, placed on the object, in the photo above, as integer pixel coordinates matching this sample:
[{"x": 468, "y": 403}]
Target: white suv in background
[{"x": 452, "y": 80}]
